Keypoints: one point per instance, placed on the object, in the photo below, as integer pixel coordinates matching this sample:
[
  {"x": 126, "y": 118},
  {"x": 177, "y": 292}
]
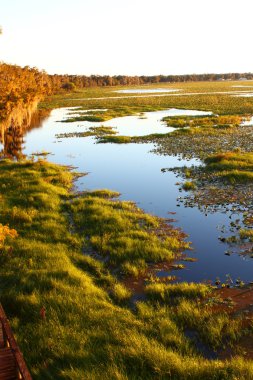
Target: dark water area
[{"x": 134, "y": 171}]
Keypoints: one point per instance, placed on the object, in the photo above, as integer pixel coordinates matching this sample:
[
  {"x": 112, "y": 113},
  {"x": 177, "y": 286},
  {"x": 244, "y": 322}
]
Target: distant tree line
[
  {"x": 20, "y": 86},
  {"x": 82, "y": 81}
]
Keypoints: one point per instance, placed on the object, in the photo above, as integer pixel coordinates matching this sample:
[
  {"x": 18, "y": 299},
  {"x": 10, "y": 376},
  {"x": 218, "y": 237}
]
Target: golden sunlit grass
[
  {"x": 213, "y": 97},
  {"x": 236, "y": 167},
  {"x": 88, "y": 330},
  {"x": 66, "y": 253},
  {"x": 122, "y": 232}
]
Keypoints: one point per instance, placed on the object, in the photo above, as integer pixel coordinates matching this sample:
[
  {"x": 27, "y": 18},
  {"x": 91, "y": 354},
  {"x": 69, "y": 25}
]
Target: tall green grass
[
  {"x": 123, "y": 233},
  {"x": 236, "y": 167},
  {"x": 88, "y": 332}
]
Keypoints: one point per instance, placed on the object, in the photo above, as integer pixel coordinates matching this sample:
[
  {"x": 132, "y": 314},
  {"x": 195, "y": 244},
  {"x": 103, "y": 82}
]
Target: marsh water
[
  {"x": 146, "y": 91},
  {"x": 134, "y": 171}
]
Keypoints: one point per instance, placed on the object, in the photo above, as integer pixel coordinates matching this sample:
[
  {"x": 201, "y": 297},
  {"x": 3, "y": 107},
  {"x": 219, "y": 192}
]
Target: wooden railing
[{"x": 12, "y": 362}]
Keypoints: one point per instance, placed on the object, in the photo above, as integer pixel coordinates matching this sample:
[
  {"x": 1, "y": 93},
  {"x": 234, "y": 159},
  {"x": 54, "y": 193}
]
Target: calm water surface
[
  {"x": 147, "y": 91},
  {"x": 136, "y": 173},
  {"x": 144, "y": 124}
]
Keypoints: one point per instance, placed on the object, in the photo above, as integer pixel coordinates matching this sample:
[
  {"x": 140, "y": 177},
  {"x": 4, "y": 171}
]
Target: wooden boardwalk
[{"x": 12, "y": 364}]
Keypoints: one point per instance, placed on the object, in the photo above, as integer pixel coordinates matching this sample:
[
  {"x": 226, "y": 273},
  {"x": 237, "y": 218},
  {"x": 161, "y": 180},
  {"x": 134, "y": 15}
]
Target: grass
[
  {"x": 206, "y": 96},
  {"x": 89, "y": 331},
  {"x": 189, "y": 185},
  {"x": 92, "y": 131},
  {"x": 134, "y": 268},
  {"x": 246, "y": 234},
  {"x": 123, "y": 233},
  {"x": 170, "y": 142},
  {"x": 91, "y": 118},
  {"x": 67, "y": 253},
  {"x": 204, "y": 122},
  {"x": 115, "y": 139},
  {"x": 168, "y": 292},
  {"x": 131, "y": 139},
  {"x": 204, "y": 135},
  {"x": 235, "y": 167},
  {"x": 202, "y": 142}
]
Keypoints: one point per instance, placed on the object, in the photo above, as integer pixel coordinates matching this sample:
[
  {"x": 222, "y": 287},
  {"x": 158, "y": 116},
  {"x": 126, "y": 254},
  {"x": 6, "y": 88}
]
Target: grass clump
[
  {"x": 120, "y": 293},
  {"x": 134, "y": 268},
  {"x": 92, "y": 131},
  {"x": 101, "y": 131},
  {"x": 246, "y": 234},
  {"x": 91, "y": 118},
  {"x": 168, "y": 292},
  {"x": 214, "y": 329},
  {"x": 123, "y": 233},
  {"x": 224, "y": 121},
  {"x": 235, "y": 167},
  {"x": 188, "y": 185},
  {"x": 115, "y": 139},
  {"x": 104, "y": 193}
]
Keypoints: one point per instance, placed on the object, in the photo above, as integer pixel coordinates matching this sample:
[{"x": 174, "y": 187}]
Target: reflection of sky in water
[
  {"x": 243, "y": 86},
  {"x": 248, "y": 122},
  {"x": 245, "y": 95},
  {"x": 136, "y": 173},
  {"x": 146, "y": 90},
  {"x": 144, "y": 124}
]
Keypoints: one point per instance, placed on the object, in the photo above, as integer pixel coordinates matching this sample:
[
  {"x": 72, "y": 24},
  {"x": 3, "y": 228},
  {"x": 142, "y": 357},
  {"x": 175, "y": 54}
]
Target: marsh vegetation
[
  {"x": 112, "y": 277},
  {"x": 87, "y": 308}
]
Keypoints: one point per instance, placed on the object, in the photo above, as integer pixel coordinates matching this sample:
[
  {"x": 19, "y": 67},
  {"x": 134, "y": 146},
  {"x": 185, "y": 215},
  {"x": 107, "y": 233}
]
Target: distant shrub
[{"x": 68, "y": 86}]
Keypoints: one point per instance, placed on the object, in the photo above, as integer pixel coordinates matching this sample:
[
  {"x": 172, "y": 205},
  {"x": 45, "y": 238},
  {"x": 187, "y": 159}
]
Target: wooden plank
[
  {"x": 1, "y": 336},
  {"x": 8, "y": 368},
  {"x": 14, "y": 349}
]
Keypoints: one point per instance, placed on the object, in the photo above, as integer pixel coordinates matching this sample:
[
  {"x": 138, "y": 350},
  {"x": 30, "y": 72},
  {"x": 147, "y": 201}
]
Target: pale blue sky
[{"x": 131, "y": 37}]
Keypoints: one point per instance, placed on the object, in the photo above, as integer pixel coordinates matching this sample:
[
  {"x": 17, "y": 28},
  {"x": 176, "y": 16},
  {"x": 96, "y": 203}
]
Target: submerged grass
[{"x": 88, "y": 332}]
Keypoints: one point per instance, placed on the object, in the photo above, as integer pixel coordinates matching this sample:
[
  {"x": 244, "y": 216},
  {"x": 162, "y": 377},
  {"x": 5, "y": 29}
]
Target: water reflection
[
  {"x": 12, "y": 140},
  {"x": 12, "y": 136},
  {"x": 144, "y": 124},
  {"x": 136, "y": 173},
  {"x": 248, "y": 95}
]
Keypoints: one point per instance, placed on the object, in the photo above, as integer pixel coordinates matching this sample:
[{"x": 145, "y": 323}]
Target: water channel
[{"x": 134, "y": 171}]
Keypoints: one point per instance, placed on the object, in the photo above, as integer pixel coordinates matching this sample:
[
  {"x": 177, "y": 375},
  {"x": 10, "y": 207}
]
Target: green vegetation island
[{"x": 78, "y": 268}]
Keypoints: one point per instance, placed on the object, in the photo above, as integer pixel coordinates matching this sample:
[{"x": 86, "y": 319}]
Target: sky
[{"x": 128, "y": 37}]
